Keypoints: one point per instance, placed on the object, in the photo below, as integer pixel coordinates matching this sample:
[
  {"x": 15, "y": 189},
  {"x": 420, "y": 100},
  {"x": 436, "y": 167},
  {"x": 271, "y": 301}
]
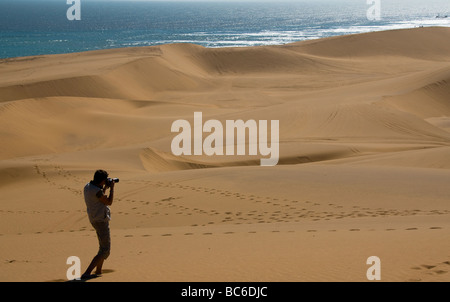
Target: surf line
[{"x": 213, "y": 144}]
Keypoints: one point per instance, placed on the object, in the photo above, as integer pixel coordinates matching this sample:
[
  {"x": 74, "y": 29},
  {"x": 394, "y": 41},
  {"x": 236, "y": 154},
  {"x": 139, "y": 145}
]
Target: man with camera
[{"x": 99, "y": 214}]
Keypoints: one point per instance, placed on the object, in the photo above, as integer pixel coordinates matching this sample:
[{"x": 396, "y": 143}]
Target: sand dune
[{"x": 363, "y": 169}]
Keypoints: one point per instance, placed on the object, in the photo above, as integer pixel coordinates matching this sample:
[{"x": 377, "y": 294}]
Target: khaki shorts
[{"x": 104, "y": 237}]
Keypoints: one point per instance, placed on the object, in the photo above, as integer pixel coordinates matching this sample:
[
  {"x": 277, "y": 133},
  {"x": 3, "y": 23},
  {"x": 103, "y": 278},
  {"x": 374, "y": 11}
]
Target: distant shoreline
[
  {"x": 39, "y": 29},
  {"x": 8, "y": 59}
]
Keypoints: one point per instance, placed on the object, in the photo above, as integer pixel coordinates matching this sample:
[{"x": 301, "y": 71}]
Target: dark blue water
[{"x": 33, "y": 27}]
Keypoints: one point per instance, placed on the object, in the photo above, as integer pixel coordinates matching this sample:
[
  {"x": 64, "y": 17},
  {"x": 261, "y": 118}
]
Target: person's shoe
[{"x": 88, "y": 276}]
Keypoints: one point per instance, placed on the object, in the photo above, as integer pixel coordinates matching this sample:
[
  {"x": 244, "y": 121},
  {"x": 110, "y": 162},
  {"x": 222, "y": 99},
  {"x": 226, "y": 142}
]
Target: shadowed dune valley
[{"x": 362, "y": 167}]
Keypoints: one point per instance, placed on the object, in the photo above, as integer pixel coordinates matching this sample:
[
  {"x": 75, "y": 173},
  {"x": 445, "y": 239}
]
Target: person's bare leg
[
  {"x": 94, "y": 263},
  {"x": 98, "y": 271}
]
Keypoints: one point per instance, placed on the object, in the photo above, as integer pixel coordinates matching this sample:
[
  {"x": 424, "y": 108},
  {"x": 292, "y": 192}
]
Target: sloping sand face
[{"x": 363, "y": 170}]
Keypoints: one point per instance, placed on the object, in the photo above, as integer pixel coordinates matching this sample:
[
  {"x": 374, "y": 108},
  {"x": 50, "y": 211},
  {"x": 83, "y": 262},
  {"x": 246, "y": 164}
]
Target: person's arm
[{"x": 108, "y": 200}]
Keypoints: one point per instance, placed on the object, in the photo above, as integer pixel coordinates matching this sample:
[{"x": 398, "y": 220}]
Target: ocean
[{"x": 35, "y": 27}]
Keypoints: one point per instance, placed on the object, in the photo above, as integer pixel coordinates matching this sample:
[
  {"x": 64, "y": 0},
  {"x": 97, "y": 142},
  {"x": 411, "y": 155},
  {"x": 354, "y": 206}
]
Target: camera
[{"x": 109, "y": 181}]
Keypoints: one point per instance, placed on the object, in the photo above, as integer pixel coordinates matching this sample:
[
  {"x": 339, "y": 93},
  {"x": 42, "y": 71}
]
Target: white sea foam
[{"x": 272, "y": 37}]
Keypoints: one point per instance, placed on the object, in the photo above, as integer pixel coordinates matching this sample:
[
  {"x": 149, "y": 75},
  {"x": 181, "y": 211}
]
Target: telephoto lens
[{"x": 109, "y": 181}]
